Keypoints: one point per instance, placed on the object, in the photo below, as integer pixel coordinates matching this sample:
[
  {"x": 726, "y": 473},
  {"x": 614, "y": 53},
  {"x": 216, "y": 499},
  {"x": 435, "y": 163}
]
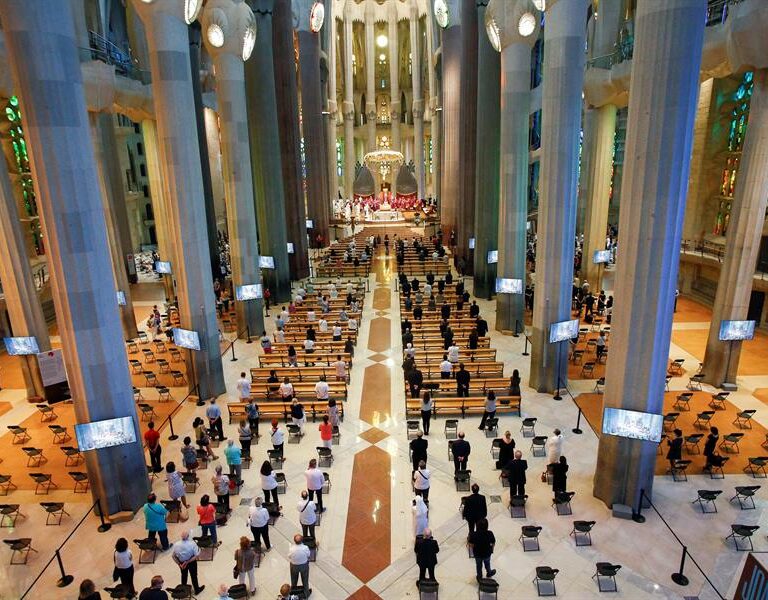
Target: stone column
[
  {"x": 563, "y": 79},
  {"x": 515, "y": 111},
  {"x": 435, "y": 103},
  {"x": 668, "y": 43},
  {"x": 286, "y": 90},
  {"x": 333, "y": 176},
  {"x": 239, "y": 31},
  {"x": 721, "y": 360},
  {"x": 459, "y": 58},
  {"x": 168, "y": 41},
  {"x": 158, "y": 188},
  {"x": 394, "y": 81},
  {"x": 487, "y": 159},
  {"x": 115, "y": 211},
  {"x": 600, "y": 161},
  {"x": 213, "y": 143},
  {"x": 349, "y": 104},
  {"x": 370, "y": 77},
  {"x": 268, "y": 190},
  {"x": 318, "y": 204},
  {"x": 42, "y": 52},
  {"x": 21, "y": 299},
  {"x": 417, "y": 103}
]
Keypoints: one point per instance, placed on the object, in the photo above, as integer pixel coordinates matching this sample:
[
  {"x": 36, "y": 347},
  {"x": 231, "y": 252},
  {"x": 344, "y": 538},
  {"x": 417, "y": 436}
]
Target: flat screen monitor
[
  {"x": 266, "y": 262},
  {"x": 601, "y": 256},
  {"x": 290, "y": 247},
  {"x": 121, "y": 297},
  {"x": 493, "y": 257},
  {"x": 509, "y": 286},
  {"x": 731, "y": 331},
  {"x": 248, "y": 292},
  {"x": 564, "y": 330},
  {"x": 310, "y": 224},
  {"x": 632, "y": 424},
  {"x": 185, "y": 338},
  {"x": 21, "y": 346},
  {"x": 163, "y": 267},
  {"x": 105, "y": 434},
  {"x": 471, "y": 243}
]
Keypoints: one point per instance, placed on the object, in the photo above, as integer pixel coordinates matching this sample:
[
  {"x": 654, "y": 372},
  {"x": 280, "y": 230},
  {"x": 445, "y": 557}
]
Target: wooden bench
[
  {"x": 471, "y": 404},
  {"x": 281, "y": 410},
  {"x": 298, "y": 336},
  {"x": 302, "y": 389},
  {"x": 480, "y": 369},
  {"x": 477, "y": 385},
  {"x": 295, "y": 374},
  {"x": 326, "y": 359},
  {"x": 479, "y": 354}
]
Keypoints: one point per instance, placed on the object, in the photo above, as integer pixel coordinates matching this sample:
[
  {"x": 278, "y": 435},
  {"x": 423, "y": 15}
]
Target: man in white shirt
[
  {"x": 280, "y": 336},
  {"x": 446, "y": 367},
  {"x": 337, "y": 333},
  {"x": 421, "y": 481},
  {"x": 341, "y": 369},
  {"x": 277, "y": 436},
  {"x": 258, "y": 521},
  {"x": 185, "y": 553},
  {"x": 307, "y": 515},
  {"x": 352, "y": 324},
  {"x": 284, "y": 315},
  {"x": 321, "y": 389},
  {"x": 298, "y": 555},
  {"x": 453, "y": 353},
  {"x": 243, "y": 388},
  {"x": 311, "y": 315},
  {"x": 350, "y": 288},
  {"x": 315, "y": 481},
  {"x": 323, "y": 325},
  {"x": 309, "y": 346}
]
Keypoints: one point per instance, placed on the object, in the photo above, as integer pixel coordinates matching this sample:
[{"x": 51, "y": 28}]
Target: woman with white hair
[{"x": 420, "y": 515}]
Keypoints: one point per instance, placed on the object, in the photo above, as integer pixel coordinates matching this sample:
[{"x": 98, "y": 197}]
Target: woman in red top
[
  {"x": 207, "y": 513},
  {"x": 326, "y": 432}
]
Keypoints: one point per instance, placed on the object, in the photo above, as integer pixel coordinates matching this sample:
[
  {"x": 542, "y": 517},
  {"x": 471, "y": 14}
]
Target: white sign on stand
[{"x": 52, "y": 369}]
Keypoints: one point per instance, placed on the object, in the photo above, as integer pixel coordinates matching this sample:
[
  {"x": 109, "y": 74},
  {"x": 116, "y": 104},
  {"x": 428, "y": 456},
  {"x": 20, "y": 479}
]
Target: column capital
[
  {"x": 229, "y": 27},
  {"x": 348, "y": 110},
  {"x": 504, "y": 21},
  {"x": 187, "y": 11}
]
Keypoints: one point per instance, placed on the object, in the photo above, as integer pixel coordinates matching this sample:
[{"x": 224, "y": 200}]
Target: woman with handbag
[
  {"x": 123, "y": 571},
  {"x": 245, "y": 564}
]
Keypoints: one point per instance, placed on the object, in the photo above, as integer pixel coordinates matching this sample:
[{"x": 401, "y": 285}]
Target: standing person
[
  {"x": 315, "y": 481},
  {"x": 176, "y": 489},
  {"x": 88, "y": 591},
  {"x": 420, "y": 515},
  {"x": 298, "y": 415},
  {"x": 559, "y": 475},
  {"x": 243, "y": 388},
  {"x": 446, "y": 367},
  {"x": 475, "y": 508},
  {"x": 506, "y": 450},
  {"x": 245, "y": 564},
  {"x": 415, "y": 381},
  {"x": 267, "y": 296},
  {"x": 185, "y": 554},
  {"x": 426, "y": 411},
  {"x": 221, "y": 486},
  {"x": 514, "y": 384},
  {"x": 333, "y": 413},
  {"x": 340, "y": 367},
  {"x": 253, "y": 414},
  {"x": 124, "y": 568},
  {"x": 554, "y": 447},
  {"x": 266, "y": 343},
  {"x": 490, "y": 408},
  {"x": 326, "y": 432},
  {"x": 426, "y": 549},
  {"x": 675, "y": 451},
  {"x": 268, "y": 481},
  {"x": 234, "y": 461},
  {"x": 244, "y": 435},
  {"x": 202, "y": 437},
  {"x": 206, "y": 512},
  {"x": 418, "y": 450},
  {"x": 516, "y": 473},
  {"x": 258, "y": 521},
  {"x": 286, "y": 389},
  {"x": 213, "y": 412},
  {"x": 710, "y": 445},
  {"x": 154, "y": 519},
  {"x": 189, "y": 455},
  {"x": 277, "y": 436},
  {"x": 307, "y": 515},
  {"x": 155, "y": 590},
  {"x": 462, "y": 382},
  {"x": 298, "y": 555},
  {"x": 460, "y": 451},
  {"x": 421, "y": 481},
  {"x": 322, "y": 389},
  {"x": 152, "y": 439},
  {"x": 600, "y": 346},
  {"x": 482, "y": 542}
]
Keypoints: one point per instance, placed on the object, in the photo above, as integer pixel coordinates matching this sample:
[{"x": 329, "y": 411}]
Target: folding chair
[
  {"x": 137, "y": 395},
  {"x": 694, "y": 383},
  {"x": 679, "y": 471},
  {"x": 599, "y": 385},
  {"x": 46, "y": 413},
  {"x": 147, "y": 412},
  {"x": 55, "y": 511},
  {"x": 20, "y": 434},
  {"x": 42, "y": 480},
  {"x": 538, "y": 445},
  {"x": 588, "y": 369},
  {"x": 491, "y": 427},
  {"x": 163, "y": 365},
  {"x": 676, "y": 367},
  {"x": 136, "y": 367},
  {"x": 703, "y": 419},
  {"x": 21, "y": 547},
  {"x": 517, "y": 507},
  {"x": 150, "y": 378},
  {"x": 462, "y": 479},
  {"x": 529, "y": 533},
  {"x": 583, "y": 529},
  {"x": 60, "y": 434},
  {"x": 175, "y": 355},
  {"x": 6, "y": 484},
  {"x": 683, "y": 401},
  {"x": 744, "y": 494},
  {"x": 669, "y": 420},
  {"x": 740, "y": 532},
  {"x": 495, "y": 448},
  {"x": 81, "y": 481},
  {"x": 718, "y": 400},
  {"x": 178, "y": 378},
  {"x": 528, "y": 427},
  {"x": 451, "y": 429},
  {"x": 730, "y": 442},
  {"x": 147, "y": 551},
  {"x": 132, "y": 347},
  {"x": 606, "y": 571},
  {"x": 163, "y": 394},
  {"x": 149, "y": 356},
  {"x": 34, "y": 455},
  {"x": 757, "y": 465},
  {"x": 744, "y": 419},
  {"x": 562, "y": 503},
  {"x": 72, "y": 456},
  {"x": 706, "y": 498},
  {"x": 8, "y": 515},
  {"x": 692, "y": 443},
  {"x": 412, "y": 428},
  {"x": 545, "y": 575},
  {"x": 294, "y": 434},
  {"x": 324, "y": 457}
]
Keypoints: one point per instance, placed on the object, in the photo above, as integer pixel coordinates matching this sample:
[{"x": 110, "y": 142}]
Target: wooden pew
[
  {"x": 281, "y": 410},
  {"x": 266, "y": 360},
  {"x": 472, "y": 404}
]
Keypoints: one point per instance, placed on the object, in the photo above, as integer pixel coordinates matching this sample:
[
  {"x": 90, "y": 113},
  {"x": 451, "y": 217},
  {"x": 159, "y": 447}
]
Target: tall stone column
[
  {"x": 286, "y": 90},
  {"x": 213, "y": 144},
  {"x": 515, "y": 110},
  {"x": 168, "y": 41},
  {"x": 563, "y": 79},
  {"x": 159, "y": 190},
  {"x": 115, "y": 211},
  {"x": 42, "y": 51},
  {"x": 370, "y": 76},
  {"x": 667, "y": 58},
  {"x": 21, "y": 299},
  {"x": 268, "y": 189},
  {"x": 459, "y": 58},
  {"x": 239, "y": 32},
  {"x": 721, "y": 360},
  {"x": 435, "y": 103},
  {"x": 333, "y": 176},
  {"x": 487, "y": 159},
  {"x": 394, "y": 80},
  {"x": 600, "y": 163},
  {"x": 417, "y": 103},
  {"x": 318, "y": 204},
  {"x": 349, "y": 104}
]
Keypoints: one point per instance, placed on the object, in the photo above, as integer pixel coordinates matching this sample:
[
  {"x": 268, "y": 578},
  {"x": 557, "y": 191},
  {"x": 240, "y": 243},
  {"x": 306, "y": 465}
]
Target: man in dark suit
[
  {"x": 516, "y": 472},
  {"x": 445, "y": 311},
  {"x": 460, "y": 450},
  {"x": 419, "y": 450},
  {"x": 417, "y": 313},
  {"x": 426, "y": 549},
  {"x": 482, "y": 327},
  {"x": 415, "y": 379},
  {"x": 475, "y": 507},
  {"x": 462, "y": 382}
]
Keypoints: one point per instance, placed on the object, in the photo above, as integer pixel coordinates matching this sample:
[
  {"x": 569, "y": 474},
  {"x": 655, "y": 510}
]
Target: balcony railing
[{"x": 101, "y": 49}]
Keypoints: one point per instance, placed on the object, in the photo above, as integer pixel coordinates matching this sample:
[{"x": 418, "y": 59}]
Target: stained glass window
[{"x": 339, "y": 157}]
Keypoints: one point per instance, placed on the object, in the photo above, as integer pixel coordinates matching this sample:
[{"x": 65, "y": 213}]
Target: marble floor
[{"x": 366, "y": 535}]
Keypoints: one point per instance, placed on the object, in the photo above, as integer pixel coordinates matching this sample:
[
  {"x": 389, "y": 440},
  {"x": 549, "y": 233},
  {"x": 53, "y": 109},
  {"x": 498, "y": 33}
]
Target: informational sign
[
  {"x": 753, "y": 583},
  {"x": 52, "y": 369},
  {"x": 131, "y": 262}
]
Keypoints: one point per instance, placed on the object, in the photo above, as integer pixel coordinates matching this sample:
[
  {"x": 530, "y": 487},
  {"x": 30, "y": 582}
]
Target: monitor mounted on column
[
  {"x": 509, "y": 286},
  {"x": 248, "y": 292},
  {"x": 633, "y": 424},
  {"x": 21, "y": 346},
  {"x": 105, "y": 434},
  {"x": 564, "y": 330},
  {"x": 185, "y": 338},
  {"x": 601, "y": 257},
  {"x": 471, "y": 243},
  {"x": 493, "y": 257},
  {"x": 163, "y": 267},
  {"x": 310, "y": 224},
  {"x": 289, "y": 246},
  {"x": 266, "y": 262},
  {"x": 732, "y": 331}
]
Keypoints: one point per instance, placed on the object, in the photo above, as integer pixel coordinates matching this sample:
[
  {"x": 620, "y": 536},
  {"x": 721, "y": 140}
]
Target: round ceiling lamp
[
  {"x": 494, "y": 36},
  {"x": 316, "y": 17},
  {"x": 540, "y": 5},
  {"x": 382, "y": 41},
  {"x": 215, "y": 35},
  {"x": 249, "y": 41},
  {"x": 526, "y": 25},
  {"x": 192, "y": 9},
  {"x": 442, "y": 17}
]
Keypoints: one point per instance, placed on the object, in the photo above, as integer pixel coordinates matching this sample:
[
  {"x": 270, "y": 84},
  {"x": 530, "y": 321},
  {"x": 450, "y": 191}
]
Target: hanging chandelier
[{"x": 384, "y": 161}]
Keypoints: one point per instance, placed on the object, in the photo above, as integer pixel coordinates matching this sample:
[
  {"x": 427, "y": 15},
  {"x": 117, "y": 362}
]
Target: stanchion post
[
  {"x": 248, "y": 334},
  {"x": 234, "y": 358},
  {"x": 637, "y": 515},
  {"x": 517, "y": 331},
  {"x": 525, "y": 350},
  {"x": 577, "y": 430},
  {"x": 173, "y": 435},
  {"x": 65, "y": 579},
  {"x": 104, "y": 525},
  {"x": 557, "y": 395},
  {"x": 678, "y": 577}
]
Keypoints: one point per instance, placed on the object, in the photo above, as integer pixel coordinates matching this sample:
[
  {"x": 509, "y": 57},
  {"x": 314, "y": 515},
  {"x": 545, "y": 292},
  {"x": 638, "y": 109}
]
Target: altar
[{"x": 386, "y": 215}]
